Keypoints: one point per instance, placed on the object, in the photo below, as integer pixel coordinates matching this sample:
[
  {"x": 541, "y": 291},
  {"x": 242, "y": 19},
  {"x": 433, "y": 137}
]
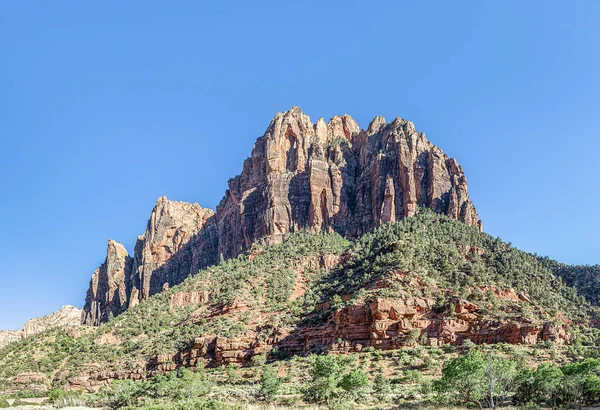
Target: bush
[
  {"x": 355, "y": 382},
  {"x": 3, "y": 403},
  {"x": 269, "y": 384},
  {"x": 325, "y": 375},
  {"x": 382, "y": 386}
]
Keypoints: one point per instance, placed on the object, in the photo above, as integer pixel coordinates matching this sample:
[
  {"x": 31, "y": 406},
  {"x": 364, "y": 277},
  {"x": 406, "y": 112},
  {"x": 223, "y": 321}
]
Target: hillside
[
  {"x": 584, "y": 278},
  {"x": 65, "y": 316},
  {"x": 426, "y": 280}
]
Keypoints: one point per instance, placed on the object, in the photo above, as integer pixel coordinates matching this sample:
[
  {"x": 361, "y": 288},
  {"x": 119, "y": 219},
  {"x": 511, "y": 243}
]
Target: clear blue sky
[{"x": 105, "y": 106}]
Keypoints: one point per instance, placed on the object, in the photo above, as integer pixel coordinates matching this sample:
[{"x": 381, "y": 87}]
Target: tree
[
  {"x": 326, "y": 373},
  {"x": 581, "y": 384},
  {"x": 463, "y": 379},
  {"x": 269, "y": 383},
  {"x": 501, "y": 376},
  {"x": 355, "y": 382},
  {"x": 382, "y": 386},
  {"x": 538, "y": 385}
]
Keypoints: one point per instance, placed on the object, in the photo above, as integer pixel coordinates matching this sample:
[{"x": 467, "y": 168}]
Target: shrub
[
  {"x": 269, "y": 384},
  {"x": 382, "y": 386},
  {"x": 354, "y": 382}
]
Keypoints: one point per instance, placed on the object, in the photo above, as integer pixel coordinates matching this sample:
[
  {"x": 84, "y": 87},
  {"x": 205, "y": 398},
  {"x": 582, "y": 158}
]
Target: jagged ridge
[{"x": 300, "y": 176}]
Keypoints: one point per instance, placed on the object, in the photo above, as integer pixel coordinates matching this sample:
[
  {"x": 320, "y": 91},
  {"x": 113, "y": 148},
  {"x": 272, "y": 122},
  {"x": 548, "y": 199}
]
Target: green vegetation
[
  {"x": 291, "y": 285},
  {"x": 584, "y": 278},
  {"x": 442, "y": 253},
  {"x": 269, "y": 384},
  {"x": 478, "y": 379},
  {"x": 335, "y": 377}
]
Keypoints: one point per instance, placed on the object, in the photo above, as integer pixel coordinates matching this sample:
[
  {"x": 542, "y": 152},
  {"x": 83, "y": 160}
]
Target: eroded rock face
[
  {"x": 338, "y": 177},
  {"x": 9, "y": 336},
  {"x": 180, "y": 239},
  {"x": 107, "y": 294},
  {"x": 300, "y": 175},
  {"x": 67, "y": 316}
]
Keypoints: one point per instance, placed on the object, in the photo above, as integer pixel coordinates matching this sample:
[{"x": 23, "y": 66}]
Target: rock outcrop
[
  {"x": 180, "y": 239},
  {"x": 107, "y": 294},
  {"x": 338, "y": 177},
  {"x": 9, "y": 336},
  {"x": 66, "y": 317},
  {"x": 300, "y": 175}
]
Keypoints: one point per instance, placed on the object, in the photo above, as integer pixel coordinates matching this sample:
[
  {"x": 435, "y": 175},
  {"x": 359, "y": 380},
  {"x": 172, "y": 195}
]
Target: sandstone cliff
[
  {"x": 107, "y": 294},
  {"x": 65, "y": 316},
  {"x": 301, "y": 175},
  {"x": 180, "y": 239},
  {"x": 336, "y": 176}
]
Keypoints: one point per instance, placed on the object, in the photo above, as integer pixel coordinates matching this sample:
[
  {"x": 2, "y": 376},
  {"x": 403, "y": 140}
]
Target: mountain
[
  {"x": 332, "y": 239},
  {"x": 180, "y": 239},
  {"x": 65, "y": 316},
  {"x": 300, "y": 176},
  {"x": 427, "y": 280},
  {"x": 584, "y": 278}
]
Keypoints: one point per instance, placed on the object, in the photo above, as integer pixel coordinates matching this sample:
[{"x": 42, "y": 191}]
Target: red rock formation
[
  {"x": 300, "y": 175},
  {"x": 180, "y": 239},
  {"x": 335, "y": 176},
  {"x": 392, "y": 323}
]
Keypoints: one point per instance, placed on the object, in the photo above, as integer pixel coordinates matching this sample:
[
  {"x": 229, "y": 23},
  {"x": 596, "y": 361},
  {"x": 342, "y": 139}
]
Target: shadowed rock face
[
  {"x": 338, "y": 177},
  {"x": 107, "y": 293},
  {"x": 300, "y": 175}
]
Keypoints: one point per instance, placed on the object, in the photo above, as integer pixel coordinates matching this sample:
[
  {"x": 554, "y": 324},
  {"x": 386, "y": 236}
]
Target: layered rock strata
[
  {"x": 300, "y": 176},
  {"x": 10, "y": 336},
  {"x": 180, "y": 239},
  {"x": 67, "y": 317},
  {"x": 336, "y": 176}
]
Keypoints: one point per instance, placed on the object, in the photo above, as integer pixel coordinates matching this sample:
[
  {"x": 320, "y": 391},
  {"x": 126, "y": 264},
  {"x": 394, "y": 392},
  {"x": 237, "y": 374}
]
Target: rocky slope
[
  {"x": 65, "y": 316},
  {"x": 427, "y": 280},
  {"x": 300, "y": 176}
]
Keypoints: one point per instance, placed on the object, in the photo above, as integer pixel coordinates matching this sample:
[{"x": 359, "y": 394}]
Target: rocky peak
[
  {"x": 336, "y": 176},
  {"x": 9, "y": 336},
  {"x": 179, "y": 240},
  {"x": 172, "y": 225},
  {"x": 107, "y": 294},
  {"x": 66, "y": 316},
  {"x": 300, "y": 175}
]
